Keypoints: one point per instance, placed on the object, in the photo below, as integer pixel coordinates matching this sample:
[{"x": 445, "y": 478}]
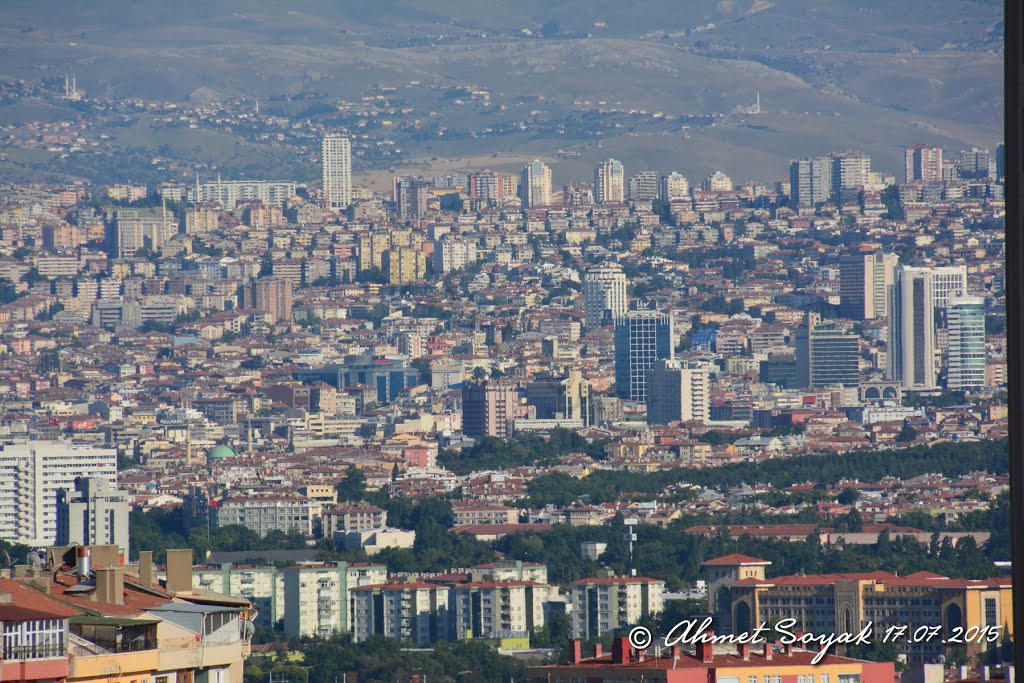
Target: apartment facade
[
  {"x": 600, "y": 605},
  {"x": 31, "y": 476}
]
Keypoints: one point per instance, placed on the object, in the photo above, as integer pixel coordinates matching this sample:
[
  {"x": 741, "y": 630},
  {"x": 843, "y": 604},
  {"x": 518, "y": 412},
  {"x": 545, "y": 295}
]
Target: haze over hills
[{"x": 831, "y": 75}]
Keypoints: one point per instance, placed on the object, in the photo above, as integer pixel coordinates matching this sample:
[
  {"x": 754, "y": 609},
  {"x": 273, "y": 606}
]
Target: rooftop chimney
[
  {"x": 743, "y": 650},
  {"x": 110, "y": 585},
  {"x": 620, "y": 650},
  {"x": 83, "y": 561},
  {"x": 598, "y": 650},
  {"x": 146, "y": 568},
  {"x": 769, "y": 649},
  {"x": 706, "y": 651},
  {"x": 179, "y": 570},
  {"x": 787, "y": 649},
  {"x": 577, "y": 652},
  {"x": 106, "y": 556}
]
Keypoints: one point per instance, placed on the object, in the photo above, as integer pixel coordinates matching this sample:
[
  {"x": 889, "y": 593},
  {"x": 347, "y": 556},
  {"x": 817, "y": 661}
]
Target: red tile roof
[
  {"x": 735, "y": 558},
  {"x": 30, "y": 604}
]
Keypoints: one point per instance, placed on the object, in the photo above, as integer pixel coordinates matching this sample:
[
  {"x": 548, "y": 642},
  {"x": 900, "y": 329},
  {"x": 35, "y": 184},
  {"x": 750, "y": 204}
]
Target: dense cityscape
[{"x": 482, "y": 425}]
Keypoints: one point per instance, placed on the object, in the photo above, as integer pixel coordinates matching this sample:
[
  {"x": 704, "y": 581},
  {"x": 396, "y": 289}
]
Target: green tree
[
  {"x": 848, "y": 496},
  {"x": 353, "y": 486}
]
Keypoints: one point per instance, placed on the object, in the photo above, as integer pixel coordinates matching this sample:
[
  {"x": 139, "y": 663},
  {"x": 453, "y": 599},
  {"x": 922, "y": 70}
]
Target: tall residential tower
[{"x": 337, "y": 172}]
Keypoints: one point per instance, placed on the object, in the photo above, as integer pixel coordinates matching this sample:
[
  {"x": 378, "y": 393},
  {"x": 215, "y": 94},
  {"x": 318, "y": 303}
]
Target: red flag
[{"x": 214, "y": 504}]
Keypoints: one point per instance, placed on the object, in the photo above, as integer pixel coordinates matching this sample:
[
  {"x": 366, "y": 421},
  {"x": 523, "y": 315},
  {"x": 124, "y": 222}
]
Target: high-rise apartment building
[
  {"x": 977, "y": 163},
  {"x": 810, "y": 181},
  {"x": 674, "y": 186},
  {"x": 273, "y": 296},
  {"x": 488, "y": 407},
  {"x": 850, "y": 170},
  {"x": 913, "y": 298},
  {"x": 497, "y": 610},
  {"x": 137, "y": 229},
  {"x": 414, "y": 612},
  {"x": 965, "y": 318},
  {"x": 864, "y": 280},
  {"x": 336, "y": 153},
  {"x": 453, "y": 254},
  {"x": 317, "y": 600},
  {"x": 718, "y": 182},
  {"x": 371, "y": 250},
  {"x": 600, "y": 605},
  {"x": 487, "y": 186},
  {"x": 924, "y": 163},
  {"x": 31, "y": 476},
  {"x": 609, "y": 182},
  {"x": 826, "y": 354},
  {"x": 643, "y": 186},
  {"x": 678, "y": 391},
  {"x": 641, "y": 338},
  {"x": 404, "y": 265},
  {"x": 604, "y": 295},
  {"x": 94, "y": 513},
  {"x": 411, "y": 196},
  {"x": 535, "y": 188}
]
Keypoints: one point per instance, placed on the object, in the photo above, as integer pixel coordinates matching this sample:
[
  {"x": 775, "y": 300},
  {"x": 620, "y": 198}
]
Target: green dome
[{"x": 221, "y": 452}]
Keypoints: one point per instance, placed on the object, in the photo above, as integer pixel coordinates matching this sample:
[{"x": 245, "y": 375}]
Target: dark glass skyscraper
[{"x": 641, "y": 338}]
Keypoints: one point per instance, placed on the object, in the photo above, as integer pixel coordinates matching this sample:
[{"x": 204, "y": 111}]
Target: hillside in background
[{"x": 869, "y": 75}]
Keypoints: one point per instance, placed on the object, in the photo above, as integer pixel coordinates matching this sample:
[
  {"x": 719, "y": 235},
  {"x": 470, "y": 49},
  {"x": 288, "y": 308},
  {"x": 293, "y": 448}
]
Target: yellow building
[
  {"x": 371, "y": 250},
  {"x": 404, "y": 265},
  {"x": 933, "y": 608}
]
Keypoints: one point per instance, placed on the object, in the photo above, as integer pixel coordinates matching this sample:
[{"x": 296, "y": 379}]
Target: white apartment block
[
  {"x": 31, "y": 474},
  {"x": 453, "y": 254},
  {"x": 316, "y": 597},
  {"x": 95, "y": 512},
  {"x": 228, "y": 193},
  {"x": 337, "y": 172},
  {"x": 262, "y": 586},
  {"x": 604, "y": 295},
  {"x": 415, "y": 612},
  {"x": 600, "y": 605},
  {"x": 264, "y": 514}
]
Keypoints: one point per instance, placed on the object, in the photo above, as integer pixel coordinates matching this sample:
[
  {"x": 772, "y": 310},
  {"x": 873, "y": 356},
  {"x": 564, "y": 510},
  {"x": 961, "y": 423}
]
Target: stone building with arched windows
[{"x": 742, "y": 597}]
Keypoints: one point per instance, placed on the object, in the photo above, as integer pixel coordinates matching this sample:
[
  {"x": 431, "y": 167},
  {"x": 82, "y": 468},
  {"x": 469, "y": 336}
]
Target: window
[{"x": 991, "y": 612}]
